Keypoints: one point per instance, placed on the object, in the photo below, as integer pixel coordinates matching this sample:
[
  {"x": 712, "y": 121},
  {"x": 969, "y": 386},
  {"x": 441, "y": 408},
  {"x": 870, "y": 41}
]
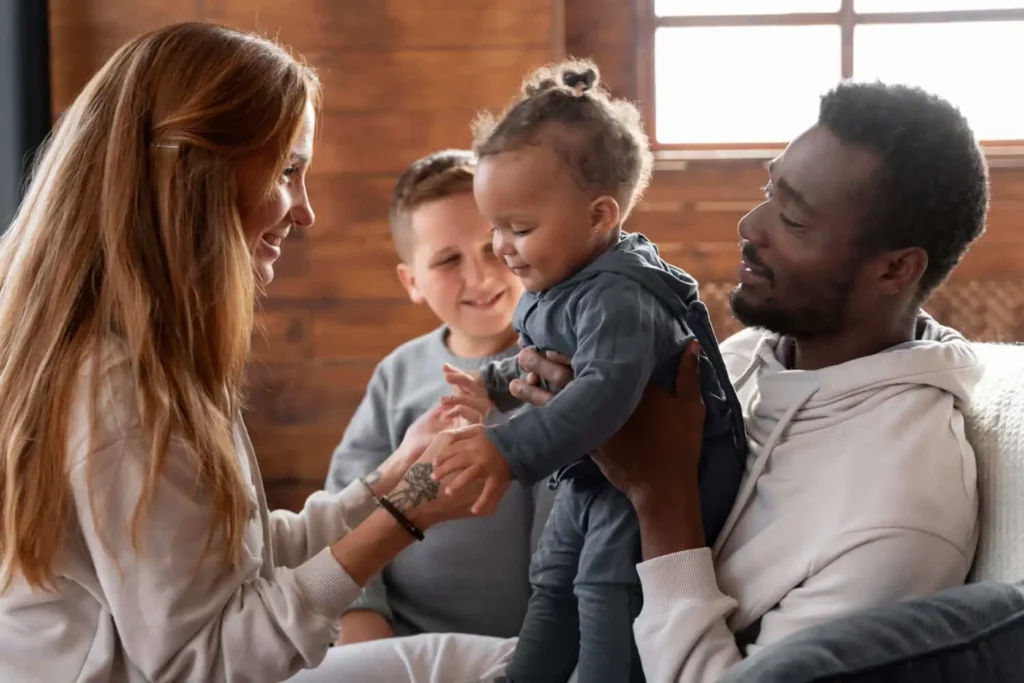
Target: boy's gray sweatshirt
[{"x": 468, "y": 576}]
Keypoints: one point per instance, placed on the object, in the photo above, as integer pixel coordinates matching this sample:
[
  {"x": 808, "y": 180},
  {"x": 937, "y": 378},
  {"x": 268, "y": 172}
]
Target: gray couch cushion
[{"x": 971, "y": 633}]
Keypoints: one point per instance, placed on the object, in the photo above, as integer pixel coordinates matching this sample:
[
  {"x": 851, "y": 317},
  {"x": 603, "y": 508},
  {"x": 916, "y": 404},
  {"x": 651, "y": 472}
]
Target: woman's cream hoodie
[{"x": 119, "y": 616}]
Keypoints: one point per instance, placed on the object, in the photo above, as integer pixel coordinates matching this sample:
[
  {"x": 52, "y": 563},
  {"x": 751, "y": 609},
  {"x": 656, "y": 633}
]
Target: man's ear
[
  {"x": 901, "y": 269},
  {"x": 408, "y": 280},
  {"x": 604, "y": 215}
]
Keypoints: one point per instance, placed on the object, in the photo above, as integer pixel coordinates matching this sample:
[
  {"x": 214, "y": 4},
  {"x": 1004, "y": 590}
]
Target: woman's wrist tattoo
[{"x": 419, "y": 488}]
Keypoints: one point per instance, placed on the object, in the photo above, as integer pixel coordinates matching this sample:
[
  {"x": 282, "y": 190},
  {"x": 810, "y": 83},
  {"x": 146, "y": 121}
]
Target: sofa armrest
[{"x": 970, "y": 633}]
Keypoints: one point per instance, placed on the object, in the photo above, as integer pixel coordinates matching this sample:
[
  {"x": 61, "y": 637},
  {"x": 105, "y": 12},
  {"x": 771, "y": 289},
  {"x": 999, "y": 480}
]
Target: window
[{"x": 735, "y": 74}]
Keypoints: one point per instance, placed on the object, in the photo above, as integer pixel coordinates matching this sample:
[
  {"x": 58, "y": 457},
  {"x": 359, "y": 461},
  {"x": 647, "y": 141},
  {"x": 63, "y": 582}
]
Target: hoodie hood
[
  {"x": 939, "y": 357},
  {"x": 880, "y": 410},
  {"x": 636, "y": 257}
]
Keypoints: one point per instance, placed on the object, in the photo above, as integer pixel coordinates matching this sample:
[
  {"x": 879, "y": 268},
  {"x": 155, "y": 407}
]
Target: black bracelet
[{"x": 402, "y": 519}]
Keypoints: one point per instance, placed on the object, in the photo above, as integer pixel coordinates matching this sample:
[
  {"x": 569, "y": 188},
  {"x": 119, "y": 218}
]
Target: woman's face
[{"x": 268, "y": 220}]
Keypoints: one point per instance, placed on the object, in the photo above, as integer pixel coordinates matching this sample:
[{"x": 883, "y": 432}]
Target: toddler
[{"x": 557, "y": 175}]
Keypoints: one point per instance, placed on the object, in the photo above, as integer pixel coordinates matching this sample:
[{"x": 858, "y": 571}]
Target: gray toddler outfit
[{"x": 624, "y": 319}]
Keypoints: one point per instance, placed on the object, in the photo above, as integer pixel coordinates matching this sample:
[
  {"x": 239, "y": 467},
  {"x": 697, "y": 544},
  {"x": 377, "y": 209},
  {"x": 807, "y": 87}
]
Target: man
[{"x": 860, "y": 485}]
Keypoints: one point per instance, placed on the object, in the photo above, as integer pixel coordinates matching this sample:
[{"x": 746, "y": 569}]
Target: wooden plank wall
[{"x": 404, "y": 77}]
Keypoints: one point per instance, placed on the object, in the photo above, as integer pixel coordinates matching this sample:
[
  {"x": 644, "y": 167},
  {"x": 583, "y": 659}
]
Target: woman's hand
[
  {"x": 416, "y": 440},
  {"x": 473, "y": 458},
  {"x": 425, "y": 502},
  {"x": 373, "y": 544}
]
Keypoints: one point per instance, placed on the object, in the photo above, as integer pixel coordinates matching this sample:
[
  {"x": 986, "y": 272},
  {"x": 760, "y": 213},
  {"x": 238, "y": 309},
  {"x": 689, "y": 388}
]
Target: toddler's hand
[
  {"x": 469, "y": 403},
  {"x": 472, "y": 457}
]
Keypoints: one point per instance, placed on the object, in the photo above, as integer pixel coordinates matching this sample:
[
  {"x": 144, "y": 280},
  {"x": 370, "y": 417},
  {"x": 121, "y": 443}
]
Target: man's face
[{"x": 800, "y": 270}]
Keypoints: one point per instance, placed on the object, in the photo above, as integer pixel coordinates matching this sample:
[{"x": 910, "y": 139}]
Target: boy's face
[
  {"x": 544, "y": 227},
  {"x": 453, "y": 269}
]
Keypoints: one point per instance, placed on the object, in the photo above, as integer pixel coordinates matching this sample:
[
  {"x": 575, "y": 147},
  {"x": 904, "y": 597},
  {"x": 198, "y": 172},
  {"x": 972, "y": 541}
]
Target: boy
[{"x": 469, "y": 576}]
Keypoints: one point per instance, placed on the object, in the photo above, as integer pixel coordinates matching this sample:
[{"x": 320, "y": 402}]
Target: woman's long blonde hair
[{"x": 130, "y": 233}]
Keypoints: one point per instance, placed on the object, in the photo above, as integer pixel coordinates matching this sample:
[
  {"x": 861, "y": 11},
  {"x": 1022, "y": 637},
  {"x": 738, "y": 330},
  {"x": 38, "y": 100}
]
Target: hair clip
[
  {"x": 166, "y": 145},
  {"x": 579, "y": 82}
]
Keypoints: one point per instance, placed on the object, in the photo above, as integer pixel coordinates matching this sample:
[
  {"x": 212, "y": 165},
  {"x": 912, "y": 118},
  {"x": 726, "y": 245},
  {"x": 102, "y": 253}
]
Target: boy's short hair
[{"x": 446, "y": 173}]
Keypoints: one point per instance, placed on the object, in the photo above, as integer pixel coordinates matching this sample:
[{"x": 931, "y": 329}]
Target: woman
[{"x": 135, "y": 541}]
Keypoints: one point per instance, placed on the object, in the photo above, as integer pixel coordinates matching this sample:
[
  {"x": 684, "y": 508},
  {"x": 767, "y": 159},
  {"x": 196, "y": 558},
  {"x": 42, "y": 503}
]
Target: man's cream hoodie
[{"x": 860, "y": 490}]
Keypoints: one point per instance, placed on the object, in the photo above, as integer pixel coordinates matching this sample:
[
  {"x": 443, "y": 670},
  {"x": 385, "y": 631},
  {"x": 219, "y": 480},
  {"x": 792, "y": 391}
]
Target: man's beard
[{"x": 821, "y": 317}]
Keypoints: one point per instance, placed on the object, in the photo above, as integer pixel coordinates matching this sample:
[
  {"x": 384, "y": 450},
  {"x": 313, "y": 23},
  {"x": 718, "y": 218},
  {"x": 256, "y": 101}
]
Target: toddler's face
[{"x": 543, "y": 226}]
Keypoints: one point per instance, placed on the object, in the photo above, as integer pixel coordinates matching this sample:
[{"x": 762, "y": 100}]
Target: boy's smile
[{"x": 453, "y": 269}]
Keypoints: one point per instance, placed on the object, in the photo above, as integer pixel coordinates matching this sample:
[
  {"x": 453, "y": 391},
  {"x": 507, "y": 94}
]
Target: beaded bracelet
[{"x": 400, "y": 518}]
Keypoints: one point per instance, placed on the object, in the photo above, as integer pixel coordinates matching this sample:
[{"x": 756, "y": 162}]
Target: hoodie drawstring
[
  {"x": 762, "y": 459},
  {"x": 748, "y": 372}
]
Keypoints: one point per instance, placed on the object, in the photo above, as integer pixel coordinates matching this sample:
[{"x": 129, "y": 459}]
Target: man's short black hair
[{"x": 931, "y": 190}]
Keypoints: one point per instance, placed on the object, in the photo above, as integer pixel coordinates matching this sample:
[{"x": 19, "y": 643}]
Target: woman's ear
[{"x": 604, "y": 216}]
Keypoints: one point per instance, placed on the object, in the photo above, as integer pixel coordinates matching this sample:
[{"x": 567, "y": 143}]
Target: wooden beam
[
  {"x": 950, "y": 17},
  {"x": 558, "y": 35},
  {"x": 847, "y": 20},
  {"x": 802, "y": 19},
  {"x": 645, "y": 25},
  {"x": 826, "y": 18}
]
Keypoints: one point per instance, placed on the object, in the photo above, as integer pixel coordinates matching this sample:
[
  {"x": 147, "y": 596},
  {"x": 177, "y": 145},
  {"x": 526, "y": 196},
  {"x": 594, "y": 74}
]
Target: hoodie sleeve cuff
[
  {"x": 327, "y": 587},
  {"x": 687, "y": 576}
]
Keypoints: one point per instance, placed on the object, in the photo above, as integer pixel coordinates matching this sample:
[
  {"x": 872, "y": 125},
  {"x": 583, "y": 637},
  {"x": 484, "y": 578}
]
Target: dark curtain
[{"x": 24, "y": 95}]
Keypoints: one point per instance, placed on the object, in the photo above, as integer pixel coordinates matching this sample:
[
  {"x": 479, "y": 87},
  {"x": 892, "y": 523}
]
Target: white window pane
[
  {"x": 951, "y": 60},
  {"x": 868, "y": 6},
  {"x": 689, "y": 8},
  {"x": 741, "y": 84}
]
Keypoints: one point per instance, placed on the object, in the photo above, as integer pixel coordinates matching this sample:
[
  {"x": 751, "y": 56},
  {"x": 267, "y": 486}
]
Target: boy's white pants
[{"x": 427, "y": 658}]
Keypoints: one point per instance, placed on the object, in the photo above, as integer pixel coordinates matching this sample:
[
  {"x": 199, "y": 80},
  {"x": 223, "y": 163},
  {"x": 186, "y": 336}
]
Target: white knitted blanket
[{"x": 995, "y": 427}]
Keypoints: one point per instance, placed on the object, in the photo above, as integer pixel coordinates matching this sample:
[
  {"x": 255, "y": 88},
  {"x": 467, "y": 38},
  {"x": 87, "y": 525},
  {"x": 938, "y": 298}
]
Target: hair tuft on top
[{"x": 599, "y": 137}]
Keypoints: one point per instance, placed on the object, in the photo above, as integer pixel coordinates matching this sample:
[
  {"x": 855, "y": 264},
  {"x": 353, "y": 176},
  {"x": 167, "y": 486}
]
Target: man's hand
[
  {"x": 653, "y": 460},
  {"x": 656, "y": 452},
  {"x": 473, "y": 458},
  {"x": 553, "y": 367}
]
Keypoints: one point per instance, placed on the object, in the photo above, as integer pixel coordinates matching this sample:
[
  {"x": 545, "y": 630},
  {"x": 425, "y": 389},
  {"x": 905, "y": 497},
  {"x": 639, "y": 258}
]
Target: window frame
[{"x": 999, "y": 152}]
